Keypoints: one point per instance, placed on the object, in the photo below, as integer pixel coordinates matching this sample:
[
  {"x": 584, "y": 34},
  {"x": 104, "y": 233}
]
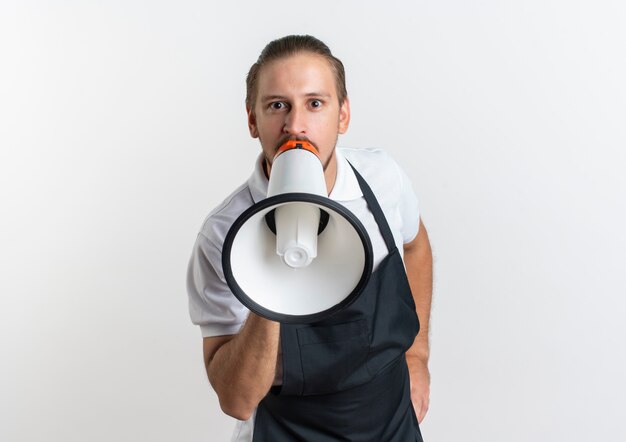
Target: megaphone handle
[{"x": 270, "y": 220}]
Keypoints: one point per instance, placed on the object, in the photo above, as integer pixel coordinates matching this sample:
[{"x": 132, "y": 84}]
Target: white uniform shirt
[{"x": 212, "y": 305}]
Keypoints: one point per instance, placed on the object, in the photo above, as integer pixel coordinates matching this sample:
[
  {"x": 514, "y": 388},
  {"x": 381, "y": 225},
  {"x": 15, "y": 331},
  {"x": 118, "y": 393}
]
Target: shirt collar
[
  {"x": 346, "y": 186},
  {"x": 257, "y": 183}
]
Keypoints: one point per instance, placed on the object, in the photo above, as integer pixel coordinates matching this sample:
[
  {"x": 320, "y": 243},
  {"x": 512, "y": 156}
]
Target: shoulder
[
  {"x": 366, "y": 155},
  {"x": 378, "y": 168},
  {"x": 220, "y": 219}
]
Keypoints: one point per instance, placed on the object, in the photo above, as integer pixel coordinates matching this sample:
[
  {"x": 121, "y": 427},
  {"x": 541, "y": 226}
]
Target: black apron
[{"x": 346, "y": 378}]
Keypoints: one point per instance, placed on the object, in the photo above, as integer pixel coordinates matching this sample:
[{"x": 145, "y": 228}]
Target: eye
[
  {"x": 277, "y": 105},
  {"x": 316, "y": 104}
]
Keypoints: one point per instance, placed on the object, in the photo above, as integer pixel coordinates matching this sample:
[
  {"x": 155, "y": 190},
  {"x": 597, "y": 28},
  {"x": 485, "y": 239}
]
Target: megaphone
[{"x": 297, "y": 256}]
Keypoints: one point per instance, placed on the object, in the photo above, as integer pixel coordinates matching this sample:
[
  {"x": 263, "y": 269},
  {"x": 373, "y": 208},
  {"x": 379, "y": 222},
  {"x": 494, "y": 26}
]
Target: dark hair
[{"x": 288, "y": 46}]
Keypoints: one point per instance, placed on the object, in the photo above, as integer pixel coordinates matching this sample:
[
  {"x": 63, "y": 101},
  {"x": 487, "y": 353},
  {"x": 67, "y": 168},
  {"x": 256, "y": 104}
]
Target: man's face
[{"x": 297, "y": 99}]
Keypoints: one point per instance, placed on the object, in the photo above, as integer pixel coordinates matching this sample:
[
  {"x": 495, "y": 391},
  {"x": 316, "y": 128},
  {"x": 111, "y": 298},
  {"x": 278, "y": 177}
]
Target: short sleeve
[
  {"x": 408, "y": 207},
  {"x": 212, "y": 305}
]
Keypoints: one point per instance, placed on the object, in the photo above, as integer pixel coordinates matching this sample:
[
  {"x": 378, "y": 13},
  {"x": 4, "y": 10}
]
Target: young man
[{"x": 362, "y": 374}]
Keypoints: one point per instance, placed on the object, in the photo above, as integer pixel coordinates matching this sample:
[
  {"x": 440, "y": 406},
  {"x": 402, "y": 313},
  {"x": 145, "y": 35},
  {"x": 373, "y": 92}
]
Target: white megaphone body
[
  {"x": 296, "y": 224},
  {"x": 297, "y": 256}
]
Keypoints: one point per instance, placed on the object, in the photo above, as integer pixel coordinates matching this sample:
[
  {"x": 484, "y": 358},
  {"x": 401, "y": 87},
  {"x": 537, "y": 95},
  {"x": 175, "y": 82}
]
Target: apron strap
[{"x": 379, "y": 216}]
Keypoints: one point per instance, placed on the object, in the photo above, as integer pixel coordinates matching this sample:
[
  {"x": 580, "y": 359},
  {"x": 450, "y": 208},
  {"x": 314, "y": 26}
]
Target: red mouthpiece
[{"x": 296, "y": 144}]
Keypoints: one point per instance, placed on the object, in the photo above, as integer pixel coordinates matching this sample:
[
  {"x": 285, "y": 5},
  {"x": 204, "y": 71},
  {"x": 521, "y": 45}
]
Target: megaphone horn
[{"x": 297, "y": 256}]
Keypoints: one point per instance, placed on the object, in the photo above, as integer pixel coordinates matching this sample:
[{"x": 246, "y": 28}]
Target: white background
[{"x": 122, "y": 124}]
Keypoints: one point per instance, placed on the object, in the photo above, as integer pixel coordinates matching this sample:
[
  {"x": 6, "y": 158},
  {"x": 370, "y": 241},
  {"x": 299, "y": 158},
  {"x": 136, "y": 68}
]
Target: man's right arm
[{"x": 241, "y": 368}]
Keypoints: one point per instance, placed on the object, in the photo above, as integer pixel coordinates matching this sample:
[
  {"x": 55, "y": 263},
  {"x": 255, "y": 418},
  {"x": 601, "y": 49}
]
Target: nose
[{"x": 295, "y": 122}]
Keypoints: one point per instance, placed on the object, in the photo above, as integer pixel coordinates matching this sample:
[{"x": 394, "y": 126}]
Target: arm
[
  {"x": 241, "y": 368},
  {"x": 419, "y": 269}
]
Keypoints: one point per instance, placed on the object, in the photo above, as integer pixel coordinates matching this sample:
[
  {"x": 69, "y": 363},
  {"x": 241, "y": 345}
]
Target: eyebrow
[{"x": 267, "y": 98}]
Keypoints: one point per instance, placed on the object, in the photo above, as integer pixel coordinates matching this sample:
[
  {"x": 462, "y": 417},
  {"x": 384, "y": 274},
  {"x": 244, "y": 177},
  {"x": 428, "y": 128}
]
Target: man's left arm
[{"x": 418, "y": 261}]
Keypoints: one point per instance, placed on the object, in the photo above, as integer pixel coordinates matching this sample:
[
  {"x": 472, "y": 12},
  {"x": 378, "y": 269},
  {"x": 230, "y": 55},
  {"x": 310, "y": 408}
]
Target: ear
[
  {"x": 344, "y": 116},
  {"x": 252, "y": 127}
]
